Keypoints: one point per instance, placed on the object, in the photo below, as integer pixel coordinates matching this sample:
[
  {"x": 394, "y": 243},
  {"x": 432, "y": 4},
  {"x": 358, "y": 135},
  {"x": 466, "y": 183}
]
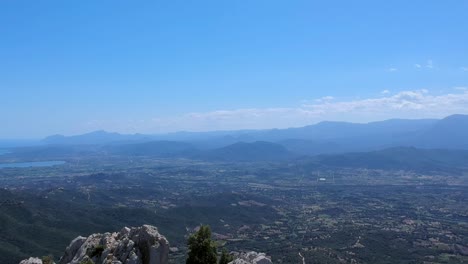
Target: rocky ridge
[
  {"x": 251, "y": 257},
  {"x": 136, "y": 245},
  {"x": 32, "y": 261}
]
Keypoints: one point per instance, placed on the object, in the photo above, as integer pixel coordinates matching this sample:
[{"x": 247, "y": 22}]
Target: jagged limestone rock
[
  {"x": 251, "y": 257},
  {"x": 137, "y": 245},
  {"x": 31, "y": 261}
]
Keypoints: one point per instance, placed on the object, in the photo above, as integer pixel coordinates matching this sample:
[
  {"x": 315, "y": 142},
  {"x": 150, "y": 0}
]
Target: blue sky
[{"x": 157, "y": 66}]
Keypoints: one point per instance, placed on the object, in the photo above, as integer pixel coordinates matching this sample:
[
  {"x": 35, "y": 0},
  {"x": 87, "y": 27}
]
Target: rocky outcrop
[
  {"x": 251, "y": 257},
  {"x": 31, "y": 261},
  {"x": 136, "y": 245}
]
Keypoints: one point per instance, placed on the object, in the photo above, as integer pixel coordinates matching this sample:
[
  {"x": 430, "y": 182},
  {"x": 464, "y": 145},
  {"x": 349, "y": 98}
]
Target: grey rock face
[
  {"x": 31, "y": 261},
  {"x": 251, "y": 257},
  {"x": 137, "y": 245}
]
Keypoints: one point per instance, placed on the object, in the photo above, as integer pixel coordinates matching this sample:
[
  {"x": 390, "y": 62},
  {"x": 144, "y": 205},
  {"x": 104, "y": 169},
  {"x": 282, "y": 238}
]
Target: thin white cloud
[
  {"x": 325, "y": 99},
  {"x": 418, "y": 66},
  {"x": 461, "y": 88},
  {"x": 405, "y": 104},
  {"x": 385, "y": 92},
  {"x": 392, "y": 69},
  {"x": 465, "y": 69},
  {"x": 429, "y": 64}
]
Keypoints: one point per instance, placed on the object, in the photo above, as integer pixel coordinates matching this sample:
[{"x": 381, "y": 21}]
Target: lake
[{"x": 31, "y": 164}]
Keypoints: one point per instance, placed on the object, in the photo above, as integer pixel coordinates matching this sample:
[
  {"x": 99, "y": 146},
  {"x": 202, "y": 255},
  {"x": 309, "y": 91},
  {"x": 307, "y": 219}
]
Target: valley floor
[{"x": 291, "y": 212}]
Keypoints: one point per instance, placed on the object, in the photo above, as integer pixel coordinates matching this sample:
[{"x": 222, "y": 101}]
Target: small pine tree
[
  {"x": 202, "y": 250},
  {"x": 47, "y": 260},
  {"x": 225, "y": 257}
]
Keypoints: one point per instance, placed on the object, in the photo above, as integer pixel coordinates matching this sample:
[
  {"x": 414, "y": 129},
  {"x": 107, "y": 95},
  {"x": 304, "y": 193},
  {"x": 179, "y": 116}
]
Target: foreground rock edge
[{"x": 135, "y": 245}]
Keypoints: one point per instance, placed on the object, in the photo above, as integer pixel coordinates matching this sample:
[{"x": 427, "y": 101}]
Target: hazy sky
[{"x": 155, "y": 66}]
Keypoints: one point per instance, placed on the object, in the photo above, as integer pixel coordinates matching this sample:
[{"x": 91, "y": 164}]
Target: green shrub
[
  {"x": 95, "y": 251},
  {"x": 225, "y": 257},
  {"x": 202, "y": 250},
  {"x": 47, "y": 260},
  {"x": 87, "y": 261}
]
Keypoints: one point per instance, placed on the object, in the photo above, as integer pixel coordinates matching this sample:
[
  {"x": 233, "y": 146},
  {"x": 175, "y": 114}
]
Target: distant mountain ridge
[
  {"x": 162, "y": 148},
  {"x": 324, "y": 137},
  {"x": 399, "y": 158},
  {"x": 96, "y": 137},
  {"x": 255, "y": 151},
  {"x": 450, "y": 132}
]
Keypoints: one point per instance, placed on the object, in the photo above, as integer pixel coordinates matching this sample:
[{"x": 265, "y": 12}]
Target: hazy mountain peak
[{"x": 324, "y": 137}]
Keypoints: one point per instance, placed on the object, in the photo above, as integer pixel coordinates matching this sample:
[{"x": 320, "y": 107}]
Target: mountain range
[
  {"x": 423, "y": 145},
  {"x": 324, "y": 137}
]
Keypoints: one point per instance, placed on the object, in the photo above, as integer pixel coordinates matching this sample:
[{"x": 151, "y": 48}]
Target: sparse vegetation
[
  {"x": 225, "y": 257},
  {"x": 96, "y": 251},
  {"x": 87, "y": 261},
  {"x": 47, "y": 260},
  {"x": 201, "y": 248}
]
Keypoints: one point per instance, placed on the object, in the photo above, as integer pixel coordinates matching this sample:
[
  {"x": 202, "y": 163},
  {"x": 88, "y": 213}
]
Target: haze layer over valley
[{"x": 332, "y": 192}]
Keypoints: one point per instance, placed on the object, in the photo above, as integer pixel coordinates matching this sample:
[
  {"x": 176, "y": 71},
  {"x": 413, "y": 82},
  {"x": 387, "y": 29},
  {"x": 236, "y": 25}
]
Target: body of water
[{"x": 31, "y": 164}]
